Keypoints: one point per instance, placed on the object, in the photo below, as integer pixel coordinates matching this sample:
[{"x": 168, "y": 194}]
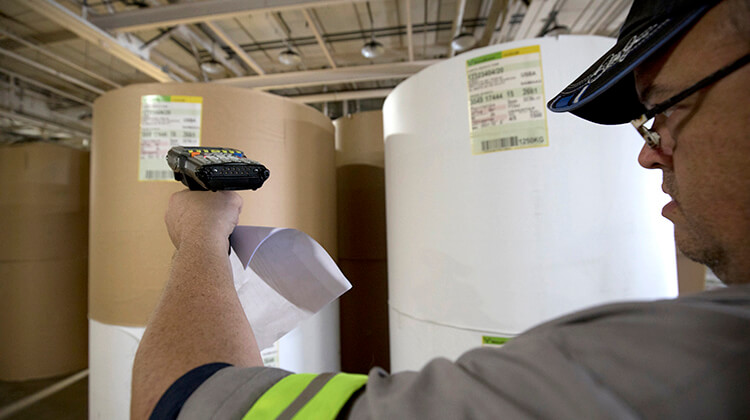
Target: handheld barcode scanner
[{"x": 215, "y": 169}]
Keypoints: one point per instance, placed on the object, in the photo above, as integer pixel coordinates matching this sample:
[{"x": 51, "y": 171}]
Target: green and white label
[
  {"x": 490, "y": 341},
  {"x": 506, "y": 100},
  {"x": 166, "y": 121}
]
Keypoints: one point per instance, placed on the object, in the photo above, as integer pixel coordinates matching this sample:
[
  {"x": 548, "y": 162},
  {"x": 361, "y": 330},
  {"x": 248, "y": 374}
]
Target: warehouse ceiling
[{"x": 58, "y": 56}]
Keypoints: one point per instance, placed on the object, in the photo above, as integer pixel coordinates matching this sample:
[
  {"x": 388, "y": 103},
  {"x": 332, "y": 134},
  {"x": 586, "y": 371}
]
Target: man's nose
[
  {"x": 649, "y": 157},
  {"x": 658, "y": 157}
]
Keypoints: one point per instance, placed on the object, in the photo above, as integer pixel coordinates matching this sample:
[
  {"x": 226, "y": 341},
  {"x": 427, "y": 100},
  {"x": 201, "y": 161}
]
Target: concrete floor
[{"x": 70, "y": 403}]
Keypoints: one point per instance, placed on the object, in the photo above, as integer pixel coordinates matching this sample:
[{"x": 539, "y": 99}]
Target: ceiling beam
[
  {"x": 329, "y": 76},
  {"x": 342, "y": 96},
  {"x": 40, "y": 122},
  {"x": 84, "y": 29},
  {"x": 54, "y": 56},
  {"x": 53, "y": 72},
  {"x": 409, "y": 31},
  {"x": 184, "y": 13},
  {"x": 321, "y": 43},
  {"x": 178, "y": 72},
  {"x": 189, "y": 34},
  {"x": 47, "y": 87},
  {"x": 45, "y": 38},
  {"x": 533, "y": 20},
  {"x": 499, "y": 7},
  {"x": 457, "y": 22},
  {"x": 226, "y": 39}
]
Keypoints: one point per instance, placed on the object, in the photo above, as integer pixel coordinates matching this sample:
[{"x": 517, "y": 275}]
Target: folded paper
[{"x": 282, "y": 277}]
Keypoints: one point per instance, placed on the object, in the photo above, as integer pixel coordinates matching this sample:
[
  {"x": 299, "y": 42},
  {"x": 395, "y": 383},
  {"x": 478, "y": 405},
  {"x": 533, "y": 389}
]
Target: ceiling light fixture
[
  {"x": 557, "y": 30},
  {"x": 212, "y": 67},
  {"x": 372, "y": 48},
  {"x": 289, "y": 57},
  {"x": 463, "y": 42},
  {"x": 552, "y": 28}
]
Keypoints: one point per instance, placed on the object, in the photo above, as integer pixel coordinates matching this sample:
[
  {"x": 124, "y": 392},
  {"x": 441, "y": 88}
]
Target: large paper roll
[
  {"x": 502, "y": 215},
  {"x": 130, "y": 248},
  {"x": 361, "y": 241},
  {"x": 131, "y": 184},
  {"x": 43, "y": 264}
]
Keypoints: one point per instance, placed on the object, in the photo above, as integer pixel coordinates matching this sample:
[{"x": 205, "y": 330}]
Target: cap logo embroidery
[{"x": 621, "y": 55}]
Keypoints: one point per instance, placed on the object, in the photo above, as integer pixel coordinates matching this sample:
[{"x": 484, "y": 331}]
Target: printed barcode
[
  {"x": 153, "y": 174},
  {"x": 500, "y": 143},
  {"x": 508, "y": 142}
]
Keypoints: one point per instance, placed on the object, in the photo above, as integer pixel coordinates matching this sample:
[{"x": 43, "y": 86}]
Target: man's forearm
[{"x": 198, "y": 320}]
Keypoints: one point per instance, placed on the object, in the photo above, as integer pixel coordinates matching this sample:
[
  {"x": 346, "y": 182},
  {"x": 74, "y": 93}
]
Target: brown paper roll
[
  {"x": 364, "y": 316},
  {"x": 44, "y": 211},
  {"x": 359, "y": 139},
  {"x": 360, "y": 178},
  {"x": 130, "y": 248},
  {"x": 44, "y": 204},
  {"x": 43, "y": 321},
  {"x": 361, "y": 212}
]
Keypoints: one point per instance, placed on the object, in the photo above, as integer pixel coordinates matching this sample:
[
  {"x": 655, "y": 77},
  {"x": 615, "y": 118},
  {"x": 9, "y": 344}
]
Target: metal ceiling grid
[{"x": 76, "y": 49}]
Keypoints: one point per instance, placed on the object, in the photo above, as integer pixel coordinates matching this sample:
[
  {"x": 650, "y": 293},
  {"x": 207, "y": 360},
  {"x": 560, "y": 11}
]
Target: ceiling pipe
[
  {"x": 51, "y": 71},
  {"x": 510, "y": 23},
  {"x": 84, "y": 29},
  {"x": 41, "y": 123},
  {"x": 499, "y": 7},
  {"x": 342, "y": 96},
  {"x": 536, "y": 9},
  {"x": 329, "y": 76},
  {"x": 457, "y": 22},
  {"x": 409, "y": 31},
  {"x": 47, "y": 87},
  {"x": 196, "y": 12},
  {"x": 65, "y": 61}
]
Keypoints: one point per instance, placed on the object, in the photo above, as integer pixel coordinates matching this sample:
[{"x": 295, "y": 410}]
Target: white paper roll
[
  {"x": 502, "y": 241},
  {"x": 111, "y": 353}
]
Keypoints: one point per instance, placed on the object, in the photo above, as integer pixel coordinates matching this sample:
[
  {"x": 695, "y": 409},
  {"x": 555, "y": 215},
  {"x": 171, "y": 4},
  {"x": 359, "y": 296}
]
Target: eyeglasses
[{"x": 652, "y": 138}]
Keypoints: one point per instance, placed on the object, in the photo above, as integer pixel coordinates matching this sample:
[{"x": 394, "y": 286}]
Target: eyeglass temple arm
[{"x": 651, "y": 113}]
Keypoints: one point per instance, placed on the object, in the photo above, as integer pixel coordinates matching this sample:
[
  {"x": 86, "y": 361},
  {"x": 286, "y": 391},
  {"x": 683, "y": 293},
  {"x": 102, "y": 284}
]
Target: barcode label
[
  {"x": 157, "y": 175},
  {"x": 506, "y": 100},
  {"x": 166, "y": 121},
  {"x": 501, "y": 143},
  {"x": 510, "y": 142}
]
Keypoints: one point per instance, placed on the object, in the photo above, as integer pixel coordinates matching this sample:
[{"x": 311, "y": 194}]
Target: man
[{"x": 682, "y": 62}]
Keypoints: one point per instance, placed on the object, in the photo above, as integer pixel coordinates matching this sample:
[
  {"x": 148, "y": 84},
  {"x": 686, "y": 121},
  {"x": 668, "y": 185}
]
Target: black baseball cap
[{"x": 605, "y": 93}]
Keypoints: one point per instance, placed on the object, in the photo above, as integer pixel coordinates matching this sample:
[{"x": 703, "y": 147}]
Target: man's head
[{"x": 704, "y": 151}]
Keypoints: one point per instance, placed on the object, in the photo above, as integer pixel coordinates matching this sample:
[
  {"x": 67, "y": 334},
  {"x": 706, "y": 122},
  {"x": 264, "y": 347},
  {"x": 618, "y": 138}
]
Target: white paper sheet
[{"x": 282, "y": 277}]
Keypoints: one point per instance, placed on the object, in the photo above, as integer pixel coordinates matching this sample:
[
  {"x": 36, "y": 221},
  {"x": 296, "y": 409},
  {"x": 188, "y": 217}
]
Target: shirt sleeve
[
  {"x": 171, "y": 402},
  {"x": 270, "y": 393},
  {"x": 686, "y": 358}
]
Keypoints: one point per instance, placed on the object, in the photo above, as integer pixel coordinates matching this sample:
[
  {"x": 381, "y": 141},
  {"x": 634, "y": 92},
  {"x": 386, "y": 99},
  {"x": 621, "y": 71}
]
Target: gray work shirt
[{"x": 680, "y": 359}]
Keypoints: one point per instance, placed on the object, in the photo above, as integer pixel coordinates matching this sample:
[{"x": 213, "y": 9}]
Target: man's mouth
[
  {"x": 668, "y": 209},
  {"x": 671, "y": 206}
]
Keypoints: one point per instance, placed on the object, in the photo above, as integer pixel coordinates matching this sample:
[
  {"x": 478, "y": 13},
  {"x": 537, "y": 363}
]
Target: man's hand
[{"x": 202, "y": 215}]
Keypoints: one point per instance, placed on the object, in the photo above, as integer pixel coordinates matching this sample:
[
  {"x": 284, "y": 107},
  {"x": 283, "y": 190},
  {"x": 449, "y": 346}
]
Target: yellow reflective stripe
[
  {"x": 327, "y": 403},
  {"x": 279, "y": 396}
]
